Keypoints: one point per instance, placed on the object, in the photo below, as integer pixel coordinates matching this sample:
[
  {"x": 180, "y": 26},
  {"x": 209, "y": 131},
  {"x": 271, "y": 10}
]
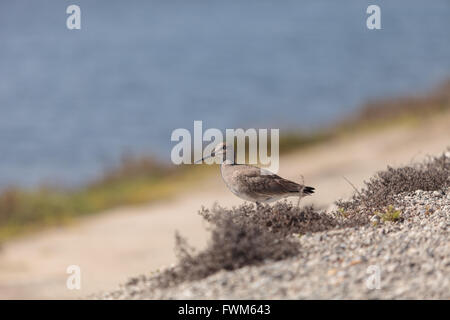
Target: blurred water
[{"x": 72, "y": 102}]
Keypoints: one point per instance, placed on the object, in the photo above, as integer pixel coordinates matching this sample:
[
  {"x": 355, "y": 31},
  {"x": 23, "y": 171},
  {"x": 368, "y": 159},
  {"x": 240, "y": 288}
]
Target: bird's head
[{"x": 222, "y": 150}]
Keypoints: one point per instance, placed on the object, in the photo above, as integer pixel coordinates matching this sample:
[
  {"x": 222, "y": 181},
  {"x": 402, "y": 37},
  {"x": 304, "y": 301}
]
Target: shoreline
[
  {"x": 141, "y": 180},
  {"x": 118, "y": 243}
]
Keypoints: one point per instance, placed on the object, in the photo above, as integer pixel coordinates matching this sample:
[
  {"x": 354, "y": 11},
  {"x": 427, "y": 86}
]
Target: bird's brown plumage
[{"x": 259, "y": 185}]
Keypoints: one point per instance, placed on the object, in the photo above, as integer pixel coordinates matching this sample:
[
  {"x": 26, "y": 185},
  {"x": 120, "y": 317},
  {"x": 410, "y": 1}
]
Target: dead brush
[
  {"x": 243, "y": 236},
  {"x": 378, "y": 193}
]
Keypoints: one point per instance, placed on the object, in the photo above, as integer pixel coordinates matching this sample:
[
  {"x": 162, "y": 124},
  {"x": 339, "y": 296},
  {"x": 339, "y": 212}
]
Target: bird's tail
[{"x": 308, "y": 190}]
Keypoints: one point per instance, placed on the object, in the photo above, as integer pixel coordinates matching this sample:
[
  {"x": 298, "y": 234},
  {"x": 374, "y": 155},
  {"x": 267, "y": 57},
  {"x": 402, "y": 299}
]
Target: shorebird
[{"x": 252, "y": 183}]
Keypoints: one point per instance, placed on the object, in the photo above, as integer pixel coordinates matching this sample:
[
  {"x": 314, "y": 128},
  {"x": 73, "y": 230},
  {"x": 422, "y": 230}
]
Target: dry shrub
[
  {"x": 282, "y": 218},
  {"x": 250, "y": 235},
  {"x": 242, "y": 236},
  {"x": 379, "y": 191}
]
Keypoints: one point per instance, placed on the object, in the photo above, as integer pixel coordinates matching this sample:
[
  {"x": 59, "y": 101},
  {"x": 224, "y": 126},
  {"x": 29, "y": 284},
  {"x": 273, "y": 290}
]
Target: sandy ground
[{"x": 114, "y": 245}]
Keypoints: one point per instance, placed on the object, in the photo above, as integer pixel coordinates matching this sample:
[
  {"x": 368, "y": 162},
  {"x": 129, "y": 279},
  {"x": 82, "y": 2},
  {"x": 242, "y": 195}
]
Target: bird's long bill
[{"x": 202, "y": 159}]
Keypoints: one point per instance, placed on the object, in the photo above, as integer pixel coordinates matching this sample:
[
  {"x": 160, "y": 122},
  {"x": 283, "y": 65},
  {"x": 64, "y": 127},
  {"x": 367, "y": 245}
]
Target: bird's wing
[{"x": 267, "y": 183}]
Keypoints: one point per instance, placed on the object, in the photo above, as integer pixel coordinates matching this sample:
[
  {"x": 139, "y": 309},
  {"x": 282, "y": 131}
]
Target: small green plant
[
  {"x": 343, "y": 212},
  {"x": 390, "y": 214},
  {"x": 298, "y": 235}
]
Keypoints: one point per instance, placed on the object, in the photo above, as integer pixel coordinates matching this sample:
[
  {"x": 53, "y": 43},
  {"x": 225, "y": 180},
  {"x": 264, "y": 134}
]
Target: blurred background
[{"x": 74, "y": 102}]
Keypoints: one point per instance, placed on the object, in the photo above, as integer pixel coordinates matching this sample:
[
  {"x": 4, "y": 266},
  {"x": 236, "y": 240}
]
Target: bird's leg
[
  {"x": 300, "y": 193},
  {"x": 298, "y": 202},
  {"x": 303, "y": 179}
]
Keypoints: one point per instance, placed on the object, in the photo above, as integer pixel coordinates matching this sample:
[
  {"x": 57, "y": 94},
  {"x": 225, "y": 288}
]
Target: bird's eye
[{"x": 224, "y": 147}]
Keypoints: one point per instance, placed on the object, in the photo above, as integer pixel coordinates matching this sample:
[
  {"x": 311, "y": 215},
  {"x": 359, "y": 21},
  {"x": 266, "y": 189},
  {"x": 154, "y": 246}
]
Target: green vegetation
[
  {"x": 390, "y": 214},
  {"x": 292, "y": 141},
  {"x": 134, "y": 181}
]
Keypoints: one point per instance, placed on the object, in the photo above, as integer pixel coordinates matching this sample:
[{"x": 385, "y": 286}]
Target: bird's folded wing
[{"x": 267, "y": 184}]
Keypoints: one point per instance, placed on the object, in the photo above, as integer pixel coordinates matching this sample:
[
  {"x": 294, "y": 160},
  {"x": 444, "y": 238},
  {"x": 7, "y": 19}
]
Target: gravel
[{"x": 409, "y": 256}]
